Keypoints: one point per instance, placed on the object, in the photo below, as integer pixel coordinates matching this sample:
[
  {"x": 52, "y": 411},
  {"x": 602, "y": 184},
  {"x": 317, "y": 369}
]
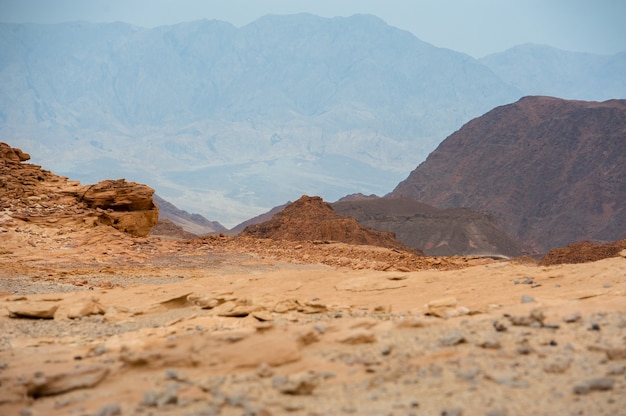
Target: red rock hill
[
  {"x": 550, "y": 171},
  {"x": 310, "y": 219}
]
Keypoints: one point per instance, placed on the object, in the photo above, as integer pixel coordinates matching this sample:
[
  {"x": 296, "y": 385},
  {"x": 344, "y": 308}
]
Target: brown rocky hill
[
  {"x": 438, "y": 232},
  {"x": 266, "y": 216},
  {"x": 550, "y": 171},
  {"x": 35, "y": 195},
  {"x": 191, "y": 223},
  {"x": 584, "y": 252},
  {"x": 310, "y": 219}
]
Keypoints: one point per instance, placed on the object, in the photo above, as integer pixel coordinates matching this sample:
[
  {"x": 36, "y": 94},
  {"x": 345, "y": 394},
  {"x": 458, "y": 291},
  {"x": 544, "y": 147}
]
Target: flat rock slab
[{"x": 33, "y": 310}]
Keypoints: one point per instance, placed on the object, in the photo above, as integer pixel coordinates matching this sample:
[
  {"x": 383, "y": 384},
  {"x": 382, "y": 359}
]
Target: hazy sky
[{"x": 476, "y": 27}]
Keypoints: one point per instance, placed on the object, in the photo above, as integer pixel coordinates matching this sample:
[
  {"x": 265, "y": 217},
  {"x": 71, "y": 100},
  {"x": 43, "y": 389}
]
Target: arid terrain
[{"x": 97, "y": 321}]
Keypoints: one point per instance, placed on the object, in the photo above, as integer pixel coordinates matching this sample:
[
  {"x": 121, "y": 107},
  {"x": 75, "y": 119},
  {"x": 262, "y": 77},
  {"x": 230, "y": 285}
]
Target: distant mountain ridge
[
  {"x": 550, "y": 171},
  {"x": 191, "y": 223},
  {"x": 228, "y": 121},
  {"x": 543, "y": 70}
]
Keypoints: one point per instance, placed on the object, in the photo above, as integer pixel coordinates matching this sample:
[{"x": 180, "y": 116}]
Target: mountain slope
[
  {"x": 228, "y": 121},
  {"x": 192, "y": 223},
  {"x": 550, "y": 171},
  {"x": 438, "y": 232}
]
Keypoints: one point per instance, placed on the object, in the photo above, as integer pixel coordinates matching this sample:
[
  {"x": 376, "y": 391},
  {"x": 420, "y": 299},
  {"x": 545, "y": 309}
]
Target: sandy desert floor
[{"x": 100, "y": 323}]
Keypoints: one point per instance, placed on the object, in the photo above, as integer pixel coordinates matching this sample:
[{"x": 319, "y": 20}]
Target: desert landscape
[{"x": 101, "y": 317}]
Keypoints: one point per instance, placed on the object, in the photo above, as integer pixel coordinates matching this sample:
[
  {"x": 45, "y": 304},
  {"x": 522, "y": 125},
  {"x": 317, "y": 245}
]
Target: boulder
[{"x": 127, "y": 206}]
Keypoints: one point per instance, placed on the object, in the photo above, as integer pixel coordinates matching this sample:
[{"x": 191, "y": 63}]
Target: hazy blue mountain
[
  {"x": 227, "y": 121},
  {"x": 543, "y": 70}
]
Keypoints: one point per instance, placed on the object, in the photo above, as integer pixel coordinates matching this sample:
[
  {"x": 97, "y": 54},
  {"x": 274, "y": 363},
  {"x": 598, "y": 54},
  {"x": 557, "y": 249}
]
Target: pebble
[
  {"x": 160, "y": 399},
  {"x": 297, "y": 384},
  {"x": 499, "y": 326},
  {"x": 496, "y": 412},
  {"x": 451, "y": 339},
  {"x": 527, "y": 299},
  {"x": 113, "y": 409},
  {"x": 594, "y": 384},
  {"x": 572, "y": 317},
  {"x": 454, "y": 411}
]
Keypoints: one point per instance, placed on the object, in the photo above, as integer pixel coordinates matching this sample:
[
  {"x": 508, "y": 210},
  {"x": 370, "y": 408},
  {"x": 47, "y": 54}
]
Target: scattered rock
[
  {"x": 43, "y": 384},
  {"x": 441, "y": 307},
  {"x": 162, "y": 398},
  {"x": 451, "y": 339},
  {"x": 572, "y": 317},
  {"x": 357, "y": 336},
  {"x": 594, "y": 384},
  {"x": 489, "y": 342},
  {"x": 35, "y": 310},
  {"x": 86, "y": 308},
  {"x": 454, "y": 411},
  {"x": 297, "y": 384},
  {"x": 557, "y": 365},
  {"x": 113, "y": 409},
  {"x": 527, "y": 299}
]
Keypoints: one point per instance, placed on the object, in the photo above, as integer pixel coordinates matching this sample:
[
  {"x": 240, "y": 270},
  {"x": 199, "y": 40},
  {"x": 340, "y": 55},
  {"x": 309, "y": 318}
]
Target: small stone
[
  {"x": 169, "y": 396},
  {"x": 557, "y": 366},
  {"x": 572, "y": 317},
  {"x": 499, "y": 326},
  {"x": 594, "y": 327},
  {"x": 454, "y": 411},
  {"x": 491, "y": 343},
  {"x": 298, "y": 384},
  {"x": 171, "y": 374},
  {"x": 74, "y": 378},
  {"x": 538, "y": 315},
  {"x": 113, "y": 409},
  {"x": 615, "y": 353},
  {"x": 527, "y": 299},
  {"x": 264, "y": 370},
  {"x": 441, "y": 307},
  {"x": 617, "y": 370},
  {"x": 451, "y": 339},
  {"x": 149, "y": 398},
  {"x": 594, "y": 384}
]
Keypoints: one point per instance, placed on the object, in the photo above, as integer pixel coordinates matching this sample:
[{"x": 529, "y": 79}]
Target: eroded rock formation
[{"x": 32, "y": 194}]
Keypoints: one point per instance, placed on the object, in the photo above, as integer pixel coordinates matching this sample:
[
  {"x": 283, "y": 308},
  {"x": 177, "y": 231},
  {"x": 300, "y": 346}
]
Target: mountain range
[{"x": 229, "y": 122}]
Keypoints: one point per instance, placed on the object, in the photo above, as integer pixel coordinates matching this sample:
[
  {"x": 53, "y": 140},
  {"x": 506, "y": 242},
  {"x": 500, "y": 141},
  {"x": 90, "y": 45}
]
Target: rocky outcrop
[
  {"x": 32, "y": 194},
  {"x": 127, "y": 206},
  {"x": 310, "y": 219},
  {"x": 550, "y": 171}
]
